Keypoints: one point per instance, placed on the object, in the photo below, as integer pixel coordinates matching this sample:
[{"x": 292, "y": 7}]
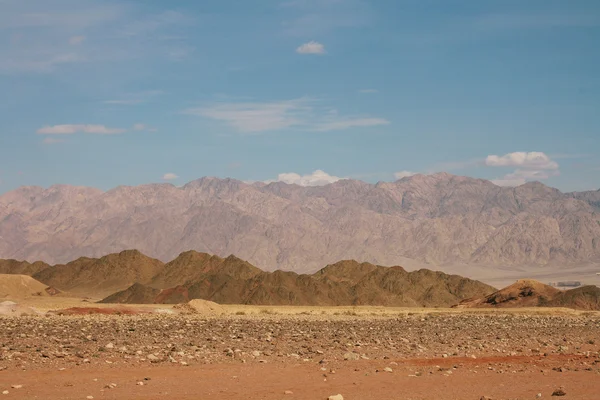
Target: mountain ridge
[
  {"x": 433, "y": 220},
  {"x": 130, "y": 276}
]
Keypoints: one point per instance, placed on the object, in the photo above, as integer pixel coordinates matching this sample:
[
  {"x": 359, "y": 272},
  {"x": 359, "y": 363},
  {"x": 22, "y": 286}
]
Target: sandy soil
[
  {"x": 264, "y": 352},
  {"x": 471, "y": 379}
]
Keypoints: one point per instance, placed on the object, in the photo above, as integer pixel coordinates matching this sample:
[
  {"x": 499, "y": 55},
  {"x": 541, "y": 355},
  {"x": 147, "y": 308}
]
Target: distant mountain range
[
  {"x": 132, "y": 277},
  {"x": 431, "y": 219}
]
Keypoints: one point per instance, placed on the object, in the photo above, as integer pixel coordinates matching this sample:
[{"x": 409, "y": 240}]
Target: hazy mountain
[{"x": 437, "y": 219}]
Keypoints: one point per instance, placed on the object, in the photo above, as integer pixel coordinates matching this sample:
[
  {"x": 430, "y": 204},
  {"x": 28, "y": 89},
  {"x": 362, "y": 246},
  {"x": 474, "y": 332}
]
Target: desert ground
[{"x": 256, "y": 352}]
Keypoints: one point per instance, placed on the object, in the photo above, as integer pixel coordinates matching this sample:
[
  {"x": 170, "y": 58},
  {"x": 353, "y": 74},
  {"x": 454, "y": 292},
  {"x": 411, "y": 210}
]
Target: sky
[{"x": 105, "y": 93}]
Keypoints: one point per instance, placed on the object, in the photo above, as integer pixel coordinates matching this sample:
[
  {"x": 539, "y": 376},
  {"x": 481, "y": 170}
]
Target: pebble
[
  {"x": 16, "y": 386},
  {"x": 388, "y": 369},
  {"x": 288, "y": 392},
  {"x": 336, "y": 397},
  {"x": 559, "y": 392},
  {"x": 5, "y": 392}
]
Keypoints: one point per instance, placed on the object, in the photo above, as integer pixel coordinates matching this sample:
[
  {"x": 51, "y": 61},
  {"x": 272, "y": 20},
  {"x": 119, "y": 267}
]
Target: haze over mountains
[{"x": 437, "y": 219}]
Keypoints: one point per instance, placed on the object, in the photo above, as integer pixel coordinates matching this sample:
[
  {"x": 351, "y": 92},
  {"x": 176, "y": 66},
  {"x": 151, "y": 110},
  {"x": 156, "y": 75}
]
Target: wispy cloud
[
  {"x": 70, "y": 129},
  {"x": 346, "y": 123},
  {"x": 169, "y": 176},
  {"x": 366, "y": 91},
  {"x": 256, "y": 117},
  {"x": 45, "y": 37},
  {"x": 135, "y": 98},
  {"x": 302, "y": 113},
  {"x": 311, "y": 47}
]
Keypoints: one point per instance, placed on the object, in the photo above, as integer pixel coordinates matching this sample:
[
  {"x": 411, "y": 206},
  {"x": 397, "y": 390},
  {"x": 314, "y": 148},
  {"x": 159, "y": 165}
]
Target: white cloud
[
  {"x": 317, "y": 178},
  {"x": 169, "y": 176},
  {"x": 534, "y": 159},
  {"x": 530, "y": 166},
  {"x": 139, "y": 127},
  {"x": 305, "y": 113},
  {"x": 403, "y": 174},
  {"x": 368, "y": 91},
  {"x": 69, "y": 129},
  {"x": 311, "y": 47},
  {"x": 76, "y": 40}
]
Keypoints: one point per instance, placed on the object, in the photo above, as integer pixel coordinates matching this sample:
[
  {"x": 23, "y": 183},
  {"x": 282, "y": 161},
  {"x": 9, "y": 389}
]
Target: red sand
[{"x": 354, "y": 380}]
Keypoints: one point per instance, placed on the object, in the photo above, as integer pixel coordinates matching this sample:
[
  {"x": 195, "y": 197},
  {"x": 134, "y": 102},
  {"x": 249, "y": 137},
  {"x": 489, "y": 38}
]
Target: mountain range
[
  {"x": 132, "y": 277},
  {"x": 438, "y": 219}
]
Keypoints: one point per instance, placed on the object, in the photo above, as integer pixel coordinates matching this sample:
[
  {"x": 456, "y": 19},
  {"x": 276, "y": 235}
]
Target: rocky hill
[
  {"x": 437, "y": 219},
  {"x": 131, "y": 277},
  {"x": 531, "y": 293},
  {"x": 102, "y": 276},
  {"x": 234, "y": 281}
]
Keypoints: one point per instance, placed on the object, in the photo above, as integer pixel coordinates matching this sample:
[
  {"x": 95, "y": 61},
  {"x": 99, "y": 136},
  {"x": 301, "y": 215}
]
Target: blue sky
[{"x": 105, "y": 93}]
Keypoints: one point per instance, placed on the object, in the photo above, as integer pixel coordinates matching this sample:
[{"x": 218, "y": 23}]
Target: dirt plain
[{"x": 253, "y": 352}]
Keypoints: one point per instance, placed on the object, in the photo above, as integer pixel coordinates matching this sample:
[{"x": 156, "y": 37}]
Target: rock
[
  {"x": 110, "y": 386},
  {"x": 388, "y": 369},
  {"x": 485, "y": 398},
  {"x": 16, "y": 386},
  {"x": 288, "y": 392},
  {"x": 559, "y": 392},
  {"x": 140, "y": 383},
  {"x": 539, "y": 395},
  {"x": 109, "y": 346},
  {"x": 255, "y": 353},
  {"x": 5, "y": 392},
  {"x": 351, "y": 356},
  {"x": 336, "y": 397},
  {"x": 152, "y": 358}
]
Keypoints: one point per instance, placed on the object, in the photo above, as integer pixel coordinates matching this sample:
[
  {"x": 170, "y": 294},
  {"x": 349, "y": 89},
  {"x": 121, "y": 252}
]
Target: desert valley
[
  {"x": 127, "y": 325},
  {"x": 299, "y": 200}
]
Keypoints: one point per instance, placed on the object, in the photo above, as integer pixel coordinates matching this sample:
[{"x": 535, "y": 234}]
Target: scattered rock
[{"x": 559, "y": 392}]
